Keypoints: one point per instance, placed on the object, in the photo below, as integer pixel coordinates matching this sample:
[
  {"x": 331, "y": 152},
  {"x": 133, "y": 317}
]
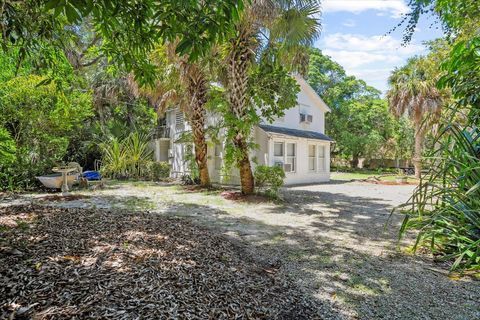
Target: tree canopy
[{"x": 129, "y": 29}]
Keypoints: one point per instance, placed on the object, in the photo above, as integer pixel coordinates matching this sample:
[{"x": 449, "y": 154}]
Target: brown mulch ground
[
  {"x": 390, "y": 183},
  {"x": 76, "y": 263},
  {"x": 250, "y": 198}
]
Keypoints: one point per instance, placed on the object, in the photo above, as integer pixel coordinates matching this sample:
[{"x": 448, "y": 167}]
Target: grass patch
[
  {"x": 134, "y": 203},
  {"x": 22, "y": 225}
]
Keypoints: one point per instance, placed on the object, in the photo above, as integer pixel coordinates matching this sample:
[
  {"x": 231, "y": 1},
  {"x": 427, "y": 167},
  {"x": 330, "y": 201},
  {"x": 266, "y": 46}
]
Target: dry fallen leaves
[{"x": 78, "y": 263}]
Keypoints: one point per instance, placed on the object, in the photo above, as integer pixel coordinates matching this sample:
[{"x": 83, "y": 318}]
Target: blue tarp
[{"x": 92, "y": 175}]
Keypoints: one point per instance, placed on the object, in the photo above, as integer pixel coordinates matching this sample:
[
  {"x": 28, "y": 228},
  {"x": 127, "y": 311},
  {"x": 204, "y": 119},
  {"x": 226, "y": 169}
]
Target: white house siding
[
  {"x": 302, "y": 174},
  {"x": 308, "y": 103},
  {"x": 292, "y": 117},
  {"x": 262, "y": 154}
]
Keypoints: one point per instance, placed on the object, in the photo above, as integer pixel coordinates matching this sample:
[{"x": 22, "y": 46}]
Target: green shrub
[
  {"x": 7, "y": 148},
  {"x": 127, "y": 158},
  {"x": 269, "y": 179},
  {"x": 42, "y": 120},
  {"x": 159, "y": 170},
  {"x": 445, "y": 208}
]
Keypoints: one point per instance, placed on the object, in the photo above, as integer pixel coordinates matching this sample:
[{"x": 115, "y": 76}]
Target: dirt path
[{"x": 329, "y": 238}]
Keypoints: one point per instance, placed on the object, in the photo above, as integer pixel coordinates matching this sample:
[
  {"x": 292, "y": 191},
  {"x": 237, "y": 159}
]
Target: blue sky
[{"x": 354, "y": 35}]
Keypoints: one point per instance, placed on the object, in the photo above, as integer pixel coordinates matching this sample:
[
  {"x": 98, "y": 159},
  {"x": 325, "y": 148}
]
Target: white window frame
[
  {"x": 284, "y": 158},
  {"x": 321, "y": 159},
  {"x": 314, "y": 157},
  {"x": 283, "y": 149},
  {"x": 293, "y": 158},
  {"x": 218, "y": 159}
]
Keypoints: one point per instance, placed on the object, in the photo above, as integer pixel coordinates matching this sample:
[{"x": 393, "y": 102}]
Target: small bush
[
  {"x": 128, "y": 158},
  {"x": 269, "y": 179},
  {"x": 159, "y": 170}
]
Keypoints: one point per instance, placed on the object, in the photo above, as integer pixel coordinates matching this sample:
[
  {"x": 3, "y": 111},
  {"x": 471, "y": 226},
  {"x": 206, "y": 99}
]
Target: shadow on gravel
[
  {"x": 340, "y": 253},
  {"x": 330, "y": 259}
]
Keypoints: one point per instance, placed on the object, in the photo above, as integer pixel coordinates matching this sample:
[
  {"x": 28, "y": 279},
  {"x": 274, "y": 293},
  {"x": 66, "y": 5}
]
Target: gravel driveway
[{"x": 330, "y": 238}]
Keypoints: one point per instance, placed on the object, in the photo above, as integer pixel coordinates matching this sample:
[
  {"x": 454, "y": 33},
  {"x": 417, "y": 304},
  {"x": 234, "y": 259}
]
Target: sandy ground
[{"x": 330, "y": 238}]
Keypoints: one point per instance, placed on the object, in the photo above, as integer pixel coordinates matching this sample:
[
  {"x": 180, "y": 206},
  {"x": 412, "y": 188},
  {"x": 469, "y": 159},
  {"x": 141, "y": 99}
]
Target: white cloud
[
  {"x": 396, "y": 8},
  {"x": 373, "y": 75},
  {"x": 346, "y": 41},
  {"x": 354, "y": 59},
  {"x": 349, "y": 23},
  {"x": 370, "y": 58}
]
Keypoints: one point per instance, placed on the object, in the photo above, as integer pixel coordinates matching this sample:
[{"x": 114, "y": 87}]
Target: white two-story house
[{"x": 296, "y": 141}]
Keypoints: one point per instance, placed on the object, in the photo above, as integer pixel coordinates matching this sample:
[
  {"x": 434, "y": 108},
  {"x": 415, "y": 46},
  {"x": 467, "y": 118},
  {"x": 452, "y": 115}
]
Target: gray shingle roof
[{"x": 295, "y": 132}]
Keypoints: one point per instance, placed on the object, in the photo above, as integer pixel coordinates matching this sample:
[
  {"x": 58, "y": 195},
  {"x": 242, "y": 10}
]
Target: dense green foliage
[
  {"x": 446, "y": 207},
  {"x": 41, "y": 120},
  {"x": 64, "y": 115},
  {"x": 129, "y": 29},
  {"x": 159, "y": 171},
  {"x": 7, "y": 148},
  {"x": 269, "y": 180},
  {"x": 359, "y": 122},
  {"x": 125, "y": 158},
  {"x": 366, "y": 129}
]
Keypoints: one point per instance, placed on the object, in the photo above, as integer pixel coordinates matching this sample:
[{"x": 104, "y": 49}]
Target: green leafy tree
[
  {"x": 342, "y": 93},
  {"x": 367, "y": 128},
  {"x": 41, "y": 120},
  {"x": 7, "y": 148},
  {"x": 129, "y": 29},
  {"x": 403, "y": 135}
]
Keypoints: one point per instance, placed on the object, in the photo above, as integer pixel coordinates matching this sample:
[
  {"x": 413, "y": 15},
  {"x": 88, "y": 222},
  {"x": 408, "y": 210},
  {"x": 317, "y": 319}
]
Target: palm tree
[
  {"x": 288, "y": 24},
  {"x": 413, "y": 92},
  {"x": 184, "y": 84}
]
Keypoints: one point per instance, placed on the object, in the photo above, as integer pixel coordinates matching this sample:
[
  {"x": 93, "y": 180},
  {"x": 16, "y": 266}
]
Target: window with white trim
[
  {"x": 321, "y": 158},
  {"x": 278, "y": 149},
  {"x": 312, "y": 155},
  {"x": 218, "y": 157},
  {"x": 291, "y": 158},
  {"x": 278, "y": 154}
]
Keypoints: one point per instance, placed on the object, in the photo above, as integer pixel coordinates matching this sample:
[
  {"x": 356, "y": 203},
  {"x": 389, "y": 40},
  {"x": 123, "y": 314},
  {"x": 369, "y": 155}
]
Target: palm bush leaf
[{"x": 445, "y": 208}]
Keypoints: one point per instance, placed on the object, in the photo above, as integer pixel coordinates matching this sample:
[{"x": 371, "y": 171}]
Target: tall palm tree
[
  {"x": 185, "y": 84},
  {"x": 413, "y": 92},
  {"x": 288, "y": 24}
]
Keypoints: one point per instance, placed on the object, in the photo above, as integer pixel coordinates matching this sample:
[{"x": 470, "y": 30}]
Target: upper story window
[
  {"x": 306, "y": 118},
  {"x": 179, "y": 120}
]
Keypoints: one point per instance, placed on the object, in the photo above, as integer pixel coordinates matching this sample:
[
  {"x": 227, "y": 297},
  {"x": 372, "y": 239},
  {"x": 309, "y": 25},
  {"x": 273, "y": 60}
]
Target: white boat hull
[{"x": 54, "y": 181}]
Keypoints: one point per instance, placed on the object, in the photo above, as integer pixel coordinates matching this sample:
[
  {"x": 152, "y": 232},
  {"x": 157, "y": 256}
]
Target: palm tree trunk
[
  {"x": 417, "y": 155},
  {"x": 238, "y": 62},
  {"x": 245, "y": 168},
  {"x": 197, "y": 92}
]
